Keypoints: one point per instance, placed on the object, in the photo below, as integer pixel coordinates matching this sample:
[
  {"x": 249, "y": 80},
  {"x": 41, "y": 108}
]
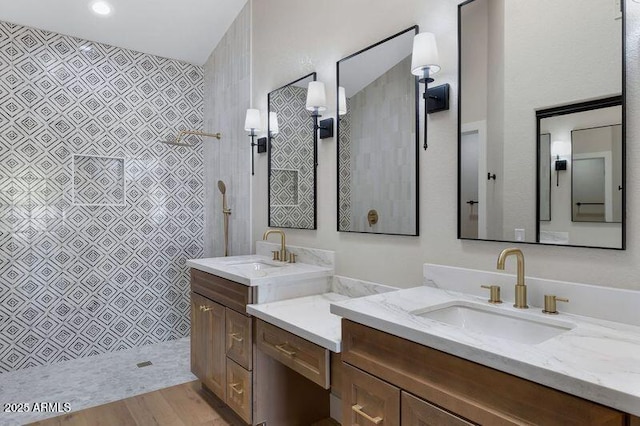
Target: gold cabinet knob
[
  {"x": 204, "y": 308},
  {"x": 550, "y": 304},
  {"x": 494, "y": 296}
]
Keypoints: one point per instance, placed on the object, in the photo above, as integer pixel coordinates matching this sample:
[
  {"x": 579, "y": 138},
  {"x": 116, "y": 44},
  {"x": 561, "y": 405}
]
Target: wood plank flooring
[{"x": 182, "y": 405}]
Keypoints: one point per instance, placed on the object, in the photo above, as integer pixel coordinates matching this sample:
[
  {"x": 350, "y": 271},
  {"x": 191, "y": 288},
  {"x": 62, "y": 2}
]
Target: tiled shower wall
[
  {"x": 227, "y": 81},
  {"x": 79, "y": 280}
]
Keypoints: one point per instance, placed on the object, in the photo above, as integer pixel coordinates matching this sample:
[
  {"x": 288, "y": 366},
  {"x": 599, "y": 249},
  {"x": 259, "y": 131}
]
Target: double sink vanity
[{"x": 286, "y": 343}]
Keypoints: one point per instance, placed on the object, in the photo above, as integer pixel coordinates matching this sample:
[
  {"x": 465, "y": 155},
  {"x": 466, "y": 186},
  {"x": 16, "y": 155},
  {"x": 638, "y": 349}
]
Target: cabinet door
[
  {"x": 367, "y": 400},
  {"x": 208, "y": 361},
  {"x": 416, "y": 412}
]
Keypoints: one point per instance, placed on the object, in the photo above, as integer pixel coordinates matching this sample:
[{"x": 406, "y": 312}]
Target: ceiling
[{"x": 187, "y": 30}]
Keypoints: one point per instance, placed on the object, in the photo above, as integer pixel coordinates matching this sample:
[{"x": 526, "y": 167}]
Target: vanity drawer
[
  {"x": 367, "y": 400},
  {"x": 238, "y": 338},
  {"x": 239, "y": 390},
  {"x": 228, "y": 293},
  {"x": 304, "y": 357}
]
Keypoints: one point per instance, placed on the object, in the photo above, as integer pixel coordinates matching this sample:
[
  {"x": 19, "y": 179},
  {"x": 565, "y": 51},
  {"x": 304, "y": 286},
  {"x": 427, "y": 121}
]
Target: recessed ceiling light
[{"x": 101, "y": 8}]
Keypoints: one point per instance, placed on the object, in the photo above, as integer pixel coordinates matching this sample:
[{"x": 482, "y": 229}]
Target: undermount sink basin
[
  {"x": 256, "y": 265},
  {"x": 514, "y": 326}
]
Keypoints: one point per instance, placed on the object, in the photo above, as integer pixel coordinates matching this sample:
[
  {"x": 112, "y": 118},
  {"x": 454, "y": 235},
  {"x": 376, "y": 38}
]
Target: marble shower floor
[{"x": 96, "y": 380}]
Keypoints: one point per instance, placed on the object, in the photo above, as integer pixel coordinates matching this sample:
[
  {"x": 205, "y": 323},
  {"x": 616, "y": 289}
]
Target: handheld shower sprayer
[{"x": 226, "y": 211}]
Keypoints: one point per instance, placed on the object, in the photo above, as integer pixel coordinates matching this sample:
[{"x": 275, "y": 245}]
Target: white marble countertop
[
  {"x": 253, "y": 270},
  {"x": 597, "y": 360},
  {"x": 308, "y": 317}
]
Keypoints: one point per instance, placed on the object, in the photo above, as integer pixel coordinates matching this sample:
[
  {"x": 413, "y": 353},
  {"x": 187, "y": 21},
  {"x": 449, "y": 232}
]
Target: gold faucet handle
[
  {"x": 276, "y": 254},
  {"x": 550, "y": 304},
  {"x": 292, "y": 257},
  {"x": 494, "y": 296}
]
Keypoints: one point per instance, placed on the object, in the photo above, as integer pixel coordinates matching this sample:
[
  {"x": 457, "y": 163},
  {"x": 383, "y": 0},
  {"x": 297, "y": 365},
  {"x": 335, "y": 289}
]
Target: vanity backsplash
[
  {"x": 605, "y": 303},
  {"x": 311, "y": 256}
]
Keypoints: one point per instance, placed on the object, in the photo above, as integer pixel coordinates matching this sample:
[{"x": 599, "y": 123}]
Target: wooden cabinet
[
  {"x": 257, "y": 387},
  {"x": 221, "y": 340},
  {"x": 447, "y": 385},
  {"x": 208, "y": 361}
]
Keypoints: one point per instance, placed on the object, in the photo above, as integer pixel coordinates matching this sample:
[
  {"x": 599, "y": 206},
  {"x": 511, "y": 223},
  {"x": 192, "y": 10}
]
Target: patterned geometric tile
[
  {"x": 79, "y": 280},
  {"x": 291, "y": 183},
  {"x": 344, "y": 171}
]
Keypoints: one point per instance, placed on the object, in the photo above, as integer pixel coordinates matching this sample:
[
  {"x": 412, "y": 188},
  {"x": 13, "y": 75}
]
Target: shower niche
[{"x": 98, "y": 181}]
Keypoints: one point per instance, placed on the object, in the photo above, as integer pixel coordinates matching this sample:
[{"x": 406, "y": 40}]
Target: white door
[{"x": 469, "y": 201}]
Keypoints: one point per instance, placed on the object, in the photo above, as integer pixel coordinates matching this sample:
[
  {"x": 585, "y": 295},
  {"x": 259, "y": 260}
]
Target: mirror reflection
[
  {"x": 522, "y": 69},
  {"x": 377, "y": 139},
  {"x": 585, "y": 154},
  {"x": 292, "y": 158}
]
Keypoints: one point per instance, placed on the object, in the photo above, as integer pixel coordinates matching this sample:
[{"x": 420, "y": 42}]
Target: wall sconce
[
  {"x": 560, "y": 166},
  {"x": 316, "y": 103},
  {"x": 560, "y": 148},
  {"x": 252, "y": 125},
  {"x": 424, "y": 64},
  {"x": 342, "y": 101}
]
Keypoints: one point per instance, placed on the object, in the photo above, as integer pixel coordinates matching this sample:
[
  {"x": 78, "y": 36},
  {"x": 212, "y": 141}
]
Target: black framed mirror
[
  {"x": 378, "y": 139},
  {"x": 292, "y": 157},
  {"x": 522, "y": 62}
]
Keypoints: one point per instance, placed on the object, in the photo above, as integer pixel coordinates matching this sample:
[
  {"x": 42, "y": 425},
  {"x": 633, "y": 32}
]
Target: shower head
[
  {"x": 222, "y": 187},
  {"x": 178, "y": 141}
]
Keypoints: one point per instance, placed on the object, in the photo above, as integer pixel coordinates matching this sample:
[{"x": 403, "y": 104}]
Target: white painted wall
[{"x": 292, "y": 38}]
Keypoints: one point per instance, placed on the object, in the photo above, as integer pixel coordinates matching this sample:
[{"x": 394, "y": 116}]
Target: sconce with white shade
[
  {"x": 316, "y": 103},
  {"x": 274, "y": 129},
  {"x": 252, "y": 124},
  {"x": 424, "y": 64},
  {"x": 342, "y": 101}
]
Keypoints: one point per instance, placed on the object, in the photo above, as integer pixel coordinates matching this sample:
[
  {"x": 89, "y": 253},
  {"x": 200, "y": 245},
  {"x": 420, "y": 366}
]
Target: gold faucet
[
  {"x": 521, "y": 288},
  {"x": 283, "y": 247}
]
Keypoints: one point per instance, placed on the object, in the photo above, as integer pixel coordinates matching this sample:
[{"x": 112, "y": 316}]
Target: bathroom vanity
[
  {"x": 393, "y": 380},
  {"x": 407, "y": 360},
  {"x": 225, "y": 340}
]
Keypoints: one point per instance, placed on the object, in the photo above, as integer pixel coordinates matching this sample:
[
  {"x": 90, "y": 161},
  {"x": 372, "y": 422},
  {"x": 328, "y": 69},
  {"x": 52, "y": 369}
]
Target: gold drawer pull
[
  {"x": 234, "y": 387},
  {"x": 205, "y": 308},
  {"x": 282, "y": 349},
  {"x": 358, "y": 410},
  {"x": 236, "y": 336}
]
